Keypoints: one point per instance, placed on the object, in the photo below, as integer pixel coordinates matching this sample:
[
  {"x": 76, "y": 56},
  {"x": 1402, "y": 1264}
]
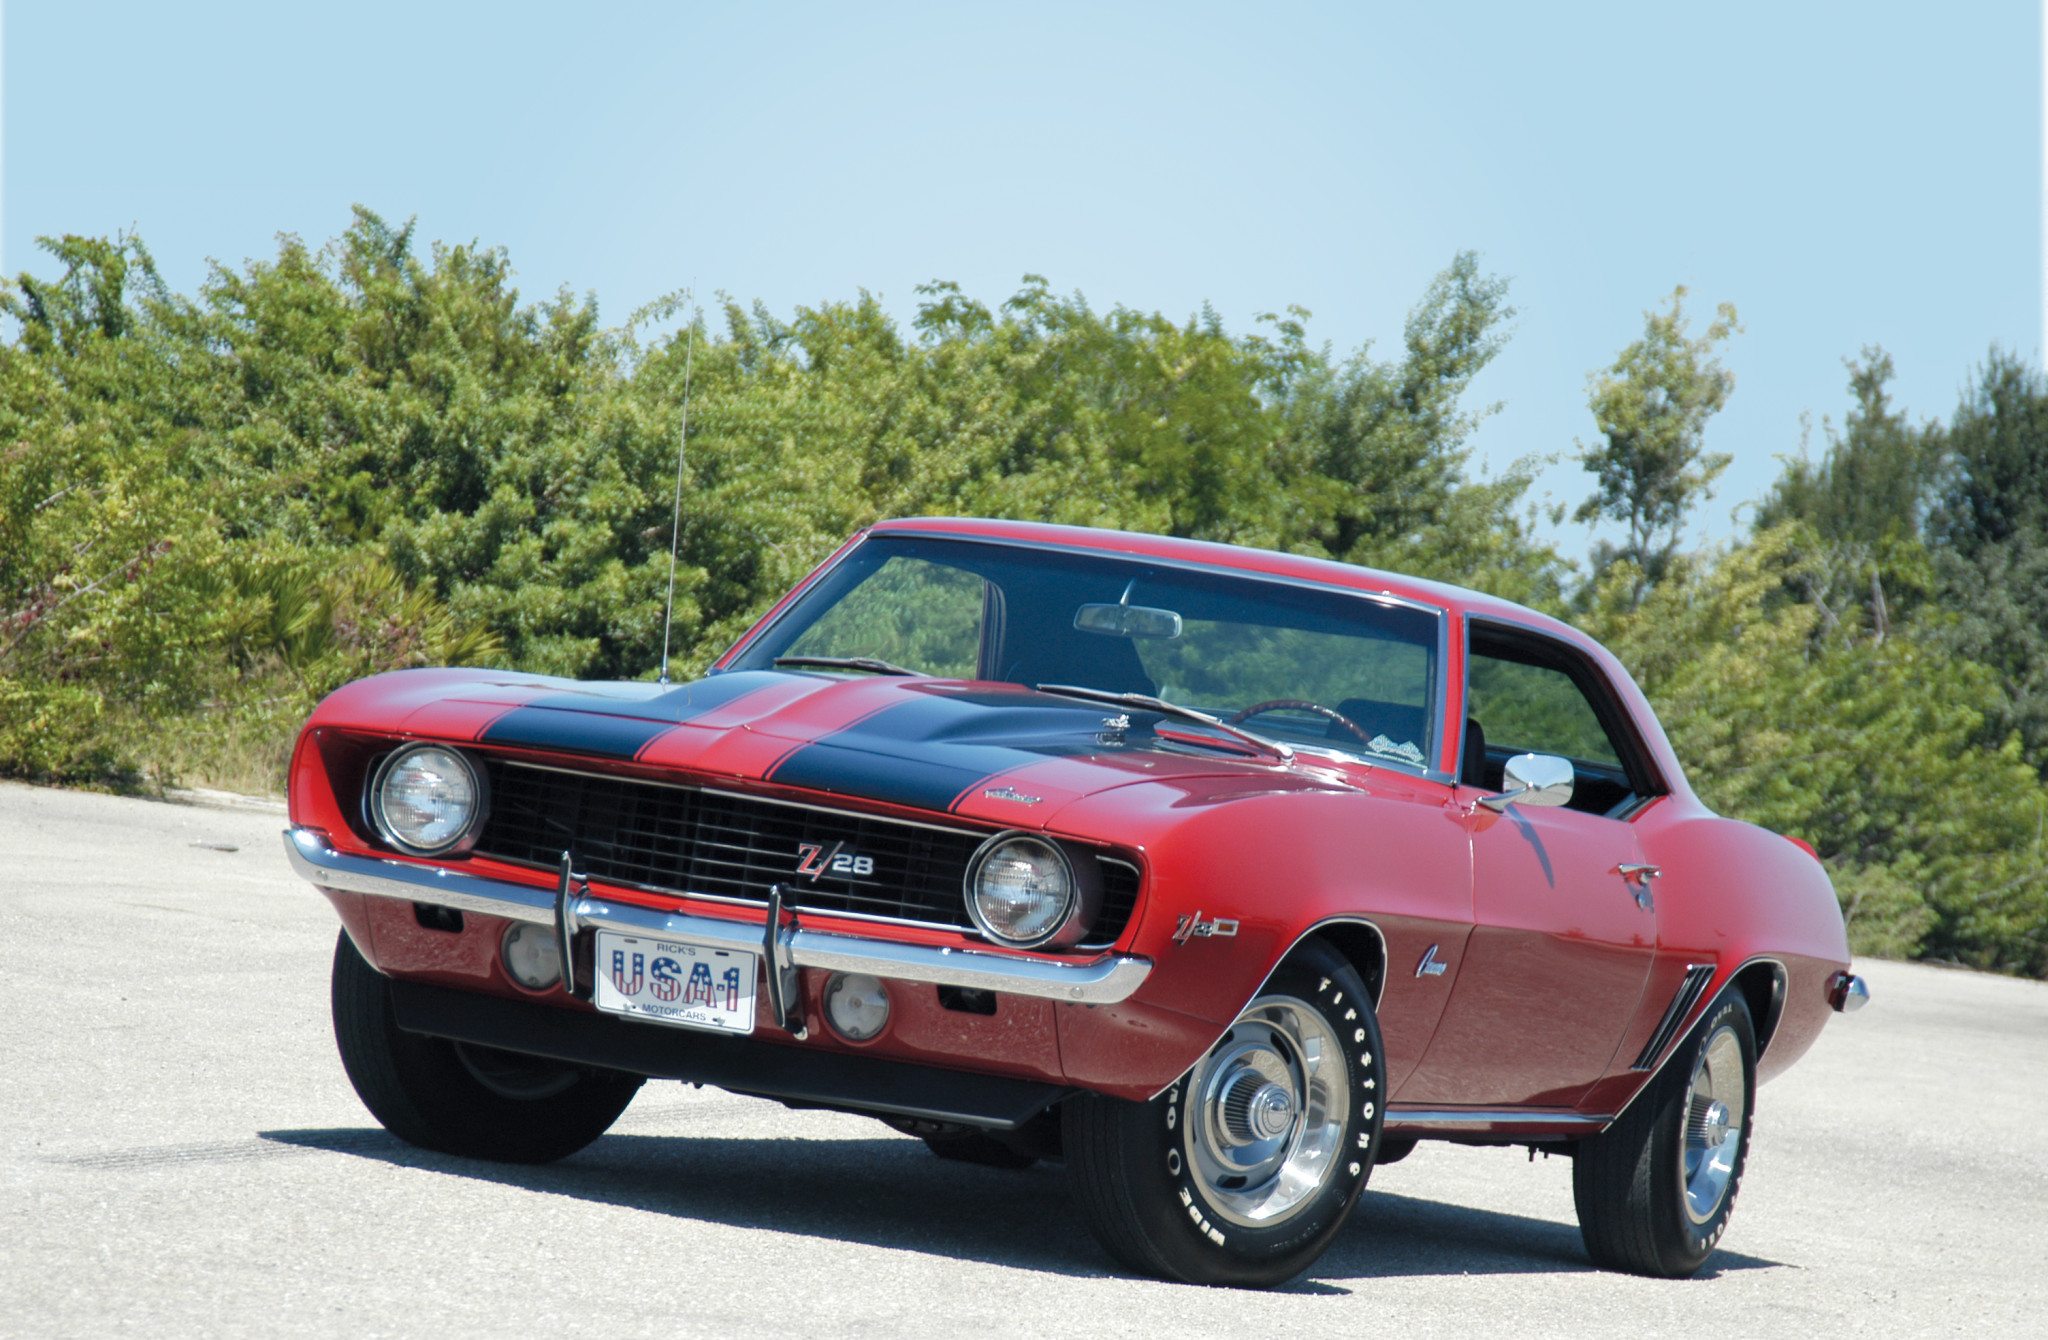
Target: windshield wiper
[
  {"x": 867, "y": 663},
  {"x": 1147, "y": 703}
]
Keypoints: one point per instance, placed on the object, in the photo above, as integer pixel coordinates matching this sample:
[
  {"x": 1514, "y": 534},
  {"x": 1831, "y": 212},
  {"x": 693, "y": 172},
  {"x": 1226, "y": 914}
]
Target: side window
[
  {"x": 908, "y": 611},
  {"x": 1522, "y": 697}
]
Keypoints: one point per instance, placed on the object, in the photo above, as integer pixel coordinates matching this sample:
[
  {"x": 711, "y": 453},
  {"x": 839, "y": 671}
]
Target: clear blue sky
[{"x": 1846, "y": 174}]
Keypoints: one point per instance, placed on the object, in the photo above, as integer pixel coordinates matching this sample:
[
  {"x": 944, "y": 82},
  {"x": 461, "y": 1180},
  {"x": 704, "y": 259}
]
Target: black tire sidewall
[
  {"x": 420, "y": 1090},
  {"x": 1184, "y": 1227},
  {"x": 1690, "y": 1244}
]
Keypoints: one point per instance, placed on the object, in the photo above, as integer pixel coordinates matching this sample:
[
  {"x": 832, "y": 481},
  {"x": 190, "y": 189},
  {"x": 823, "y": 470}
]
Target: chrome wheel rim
[
  {"x": 1716, "y": 1109},
  {"x": 1266, "y": 1112}
]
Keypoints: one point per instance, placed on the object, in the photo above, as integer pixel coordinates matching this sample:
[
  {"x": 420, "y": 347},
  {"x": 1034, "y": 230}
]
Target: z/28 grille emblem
[{"x": 813, "y": 860}]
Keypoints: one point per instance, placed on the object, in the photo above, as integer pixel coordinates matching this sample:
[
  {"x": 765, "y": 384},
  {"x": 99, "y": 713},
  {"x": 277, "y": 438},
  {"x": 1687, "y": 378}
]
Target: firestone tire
[
  {"x": 1655, "y": 1190},
  {"x": 1189, "y": 1186},
  {"x": 477, "y": 1102}
]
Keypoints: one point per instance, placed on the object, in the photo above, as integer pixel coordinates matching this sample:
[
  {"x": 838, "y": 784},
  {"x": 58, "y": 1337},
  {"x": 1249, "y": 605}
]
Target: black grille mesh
[{"x": 687, "y": 840}]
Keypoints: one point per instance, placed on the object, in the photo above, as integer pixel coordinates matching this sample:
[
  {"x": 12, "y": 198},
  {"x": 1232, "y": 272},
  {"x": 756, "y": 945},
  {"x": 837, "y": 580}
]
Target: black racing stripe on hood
[
  {"x": 591, "y": 723},
  {"x": 575, "y": 732},
  {"x": 921, "y": 784},
  {"x": 675, "y": 706},
  {"x": 928, "y": 753}
]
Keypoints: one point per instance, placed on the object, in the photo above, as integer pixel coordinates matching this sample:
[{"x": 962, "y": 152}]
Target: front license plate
[{"x": 676, "y": 982}]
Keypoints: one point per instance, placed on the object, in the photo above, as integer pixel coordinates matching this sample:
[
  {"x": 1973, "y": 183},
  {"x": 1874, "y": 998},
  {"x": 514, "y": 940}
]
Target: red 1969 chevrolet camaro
[{"x": 1220, "y": 875}]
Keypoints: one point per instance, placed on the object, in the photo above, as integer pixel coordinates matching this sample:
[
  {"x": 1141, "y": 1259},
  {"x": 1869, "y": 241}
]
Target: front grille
[
  {"x": 1119, "y": 900},
  {"x": 686, "y": 840}
]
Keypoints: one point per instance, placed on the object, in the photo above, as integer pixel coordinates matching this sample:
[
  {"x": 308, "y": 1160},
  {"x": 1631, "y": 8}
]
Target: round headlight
[
  {"x": 1020, "y": 890},
  {"x": 427, "y": 800}
]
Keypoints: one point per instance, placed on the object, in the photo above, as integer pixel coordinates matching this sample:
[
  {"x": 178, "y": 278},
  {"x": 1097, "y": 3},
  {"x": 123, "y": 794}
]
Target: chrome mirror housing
[{"x": 1533, "y": 779}]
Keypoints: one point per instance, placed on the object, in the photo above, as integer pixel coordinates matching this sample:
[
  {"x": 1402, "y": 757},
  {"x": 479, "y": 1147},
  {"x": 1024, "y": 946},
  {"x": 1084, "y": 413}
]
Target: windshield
[{"x": 1316, "y": 669}]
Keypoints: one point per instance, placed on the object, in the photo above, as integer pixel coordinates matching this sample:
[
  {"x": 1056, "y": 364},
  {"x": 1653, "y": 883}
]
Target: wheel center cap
[
  {"x": 1714, "y": 1128},
  {"x": 1256, "y": 1109},
  {"x": 1272, "y": 1112}
]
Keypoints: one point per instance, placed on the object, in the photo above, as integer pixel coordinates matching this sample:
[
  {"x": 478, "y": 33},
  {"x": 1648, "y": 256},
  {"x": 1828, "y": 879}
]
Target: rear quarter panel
[{"x": 1733, "y": 895}]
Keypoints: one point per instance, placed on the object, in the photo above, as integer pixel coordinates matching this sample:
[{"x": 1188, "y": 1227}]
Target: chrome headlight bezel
[
  {"x": 1065, "y": 928},
  {"x": 464, "y": 837}
]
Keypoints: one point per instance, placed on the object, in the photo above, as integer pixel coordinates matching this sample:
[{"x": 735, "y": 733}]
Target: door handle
[{"x": 1639, "y": 874}]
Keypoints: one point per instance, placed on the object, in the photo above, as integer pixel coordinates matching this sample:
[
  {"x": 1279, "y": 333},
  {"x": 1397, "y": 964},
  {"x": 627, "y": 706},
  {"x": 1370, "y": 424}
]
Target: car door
[{"x": 1563, "y": 938}]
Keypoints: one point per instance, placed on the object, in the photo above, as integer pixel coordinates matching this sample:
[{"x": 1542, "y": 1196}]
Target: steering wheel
[{"x": 1303, "y": 705}]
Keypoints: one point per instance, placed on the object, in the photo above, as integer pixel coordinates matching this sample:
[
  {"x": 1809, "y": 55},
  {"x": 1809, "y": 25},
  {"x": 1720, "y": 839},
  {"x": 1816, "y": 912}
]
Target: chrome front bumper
[{"x": 1104, "y": 981}]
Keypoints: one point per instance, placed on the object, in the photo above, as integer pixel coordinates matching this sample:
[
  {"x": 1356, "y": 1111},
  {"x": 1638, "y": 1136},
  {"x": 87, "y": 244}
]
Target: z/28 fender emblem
[{"x": 1193, "y": 927}]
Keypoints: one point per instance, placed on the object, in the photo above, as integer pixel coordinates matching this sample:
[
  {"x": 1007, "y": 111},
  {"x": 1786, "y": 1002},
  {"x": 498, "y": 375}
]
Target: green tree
[
  {"x": 1998, "y": 487},
  {"x": 1989, "y": 528},
  {"x": 1875, "y": 481},
  {"x": 1651, "y": 466},
  {"x": 373, "y": 453},
  {"x": 1863, "y": 504},
  {"x": 1387, "y": 478}
]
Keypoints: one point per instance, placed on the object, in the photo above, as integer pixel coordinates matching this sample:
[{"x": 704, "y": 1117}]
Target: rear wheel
[
  {"x": 1654, "y": 1191},
  {"x": 459, "y": 1098},
  {"x": 1243, "y": 1171}
]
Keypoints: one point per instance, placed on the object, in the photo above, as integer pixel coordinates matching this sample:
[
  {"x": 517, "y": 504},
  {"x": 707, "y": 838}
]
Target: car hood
[{"x": 999, "y": 752}]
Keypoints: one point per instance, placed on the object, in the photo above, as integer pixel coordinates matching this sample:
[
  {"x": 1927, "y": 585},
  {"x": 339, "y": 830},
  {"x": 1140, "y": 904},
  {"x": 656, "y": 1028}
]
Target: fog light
[
  {"x": 531, "y": 956},
  {"x": 857, "y": 1005}
]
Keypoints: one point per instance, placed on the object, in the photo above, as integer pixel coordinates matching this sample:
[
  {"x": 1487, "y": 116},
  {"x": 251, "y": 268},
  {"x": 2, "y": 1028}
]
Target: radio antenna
[{"x": 675, "y": 520}]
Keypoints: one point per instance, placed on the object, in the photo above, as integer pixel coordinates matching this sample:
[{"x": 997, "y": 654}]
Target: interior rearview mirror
[
  {"x": 1128, "y": 621},
  {"x": 1533, "y": 779}
]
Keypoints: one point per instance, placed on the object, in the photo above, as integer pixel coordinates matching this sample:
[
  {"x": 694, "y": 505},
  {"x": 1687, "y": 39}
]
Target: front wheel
[
  {"x": 1654, "y": 1190},
  {"x": 459, "y": 1098},
  {"x": 1243, "y": 1171}
]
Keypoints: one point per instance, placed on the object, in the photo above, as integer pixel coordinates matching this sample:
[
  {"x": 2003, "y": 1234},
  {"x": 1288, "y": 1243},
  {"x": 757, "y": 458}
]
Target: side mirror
[{"x": 1533, "y": 779}]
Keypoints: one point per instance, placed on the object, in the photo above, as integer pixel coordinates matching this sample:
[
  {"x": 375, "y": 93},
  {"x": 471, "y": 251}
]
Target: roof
[{"x": 1242, "y": 558}]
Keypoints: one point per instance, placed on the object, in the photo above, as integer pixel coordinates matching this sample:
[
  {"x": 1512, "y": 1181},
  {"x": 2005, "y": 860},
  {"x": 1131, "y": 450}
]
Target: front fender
[{"x": 1263, "y": 872}]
